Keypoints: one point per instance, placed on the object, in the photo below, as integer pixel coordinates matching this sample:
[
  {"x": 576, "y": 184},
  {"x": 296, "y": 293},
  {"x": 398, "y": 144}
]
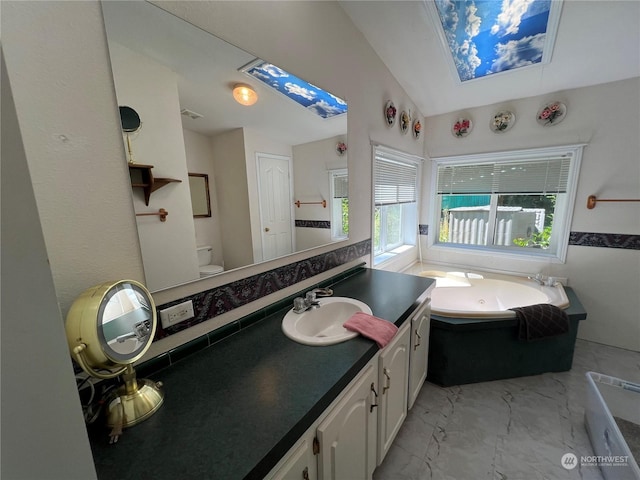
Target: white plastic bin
[{"x": 613, "y": 406}]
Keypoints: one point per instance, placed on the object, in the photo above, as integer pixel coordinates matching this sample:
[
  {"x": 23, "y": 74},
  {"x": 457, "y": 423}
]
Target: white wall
[
  {"x": 311, "y": 164},
  {"x": 200, "y": 160},
  {"x": 70, "y": 125},
  {"x": 232, "y": 197},
  {"x": 42, "y": 425},
  {"x": 152, "y": 90},
  {"x": 607, "y": 119}
]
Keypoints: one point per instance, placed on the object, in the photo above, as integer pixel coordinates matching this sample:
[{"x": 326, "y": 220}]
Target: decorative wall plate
[
  {"x": 390, "y": 113},
  {"x": 341, "y": 147},
  {"x": 502, "y": 121},
  {"x": 551, "y": 114},
  {"x": 405, "y": 121},
  {"x": 462, "y": 127},
  {"x": 417, "y": 128}
]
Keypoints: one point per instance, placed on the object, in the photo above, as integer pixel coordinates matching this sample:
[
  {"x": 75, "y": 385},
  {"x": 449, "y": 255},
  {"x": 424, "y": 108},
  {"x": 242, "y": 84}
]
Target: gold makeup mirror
[
  {"x": 131, "y": 123},
  {"x": 109, "y": 327}
]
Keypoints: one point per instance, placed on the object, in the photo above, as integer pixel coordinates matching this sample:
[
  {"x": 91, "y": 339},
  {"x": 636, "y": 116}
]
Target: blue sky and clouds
[
  {"x": 314, "y": 99},
  {"x": 491, "y": 36}
]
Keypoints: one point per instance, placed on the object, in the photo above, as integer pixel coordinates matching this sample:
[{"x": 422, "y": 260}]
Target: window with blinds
[
  {"x": 518, "y": 201},
  {"x": 396, "y": 193},
  {"x": 542, "y": 176},
  {"x": 394, "y": 181},
  {"x": 339, "y": 191}
]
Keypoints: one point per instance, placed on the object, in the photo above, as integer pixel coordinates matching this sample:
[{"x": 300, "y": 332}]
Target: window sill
[
  {"x": 385, "y": 257},
  {"x": 538, "y": 255}
]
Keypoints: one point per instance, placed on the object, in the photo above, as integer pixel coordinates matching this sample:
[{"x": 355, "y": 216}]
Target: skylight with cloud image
[
  {"x": 314, "y": 99},
  {"x": 486, "y": 37}
]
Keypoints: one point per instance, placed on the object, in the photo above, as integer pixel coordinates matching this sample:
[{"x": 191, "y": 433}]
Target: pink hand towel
[{"x": 371, "y": 327}]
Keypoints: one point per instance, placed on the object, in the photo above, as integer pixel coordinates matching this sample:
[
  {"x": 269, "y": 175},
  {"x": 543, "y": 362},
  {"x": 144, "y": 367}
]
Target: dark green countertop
[{"x": 232, "y": 410}]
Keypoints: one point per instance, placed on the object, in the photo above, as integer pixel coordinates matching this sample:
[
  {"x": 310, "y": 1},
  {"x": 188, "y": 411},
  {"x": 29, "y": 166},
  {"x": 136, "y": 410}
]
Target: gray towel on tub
[{"x": 540, "y": 321}]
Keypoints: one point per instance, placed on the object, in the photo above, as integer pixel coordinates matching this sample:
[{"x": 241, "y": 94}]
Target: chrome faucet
[
  {"x": 310, "y": 300},
  {"x": 539, "y": 279},
  {"x": 140, "y": 331}
]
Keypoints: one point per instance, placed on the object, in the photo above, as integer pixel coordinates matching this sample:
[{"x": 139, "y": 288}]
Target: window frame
[
  {"x": 562, "y": 216},
  {"x": 394, "y": 155},
  {"x": 333, "y": 202}
]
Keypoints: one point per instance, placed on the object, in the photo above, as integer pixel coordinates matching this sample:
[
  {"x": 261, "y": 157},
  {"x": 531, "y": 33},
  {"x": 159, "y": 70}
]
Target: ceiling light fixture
[{"x": 244, "y": 94}]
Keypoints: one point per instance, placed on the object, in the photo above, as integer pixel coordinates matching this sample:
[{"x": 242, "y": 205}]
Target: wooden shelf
[{"x": 141, "y": 176}]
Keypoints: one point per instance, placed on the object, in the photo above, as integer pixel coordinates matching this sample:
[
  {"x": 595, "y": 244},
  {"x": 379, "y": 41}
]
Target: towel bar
[
  {"x": 162, "y": 213},
  {"x": 298, "y": 203},
  {"x": 591, "y": 200}
]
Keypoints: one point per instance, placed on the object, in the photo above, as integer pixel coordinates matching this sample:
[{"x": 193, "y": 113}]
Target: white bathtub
[{"x": 469, "y": 295}]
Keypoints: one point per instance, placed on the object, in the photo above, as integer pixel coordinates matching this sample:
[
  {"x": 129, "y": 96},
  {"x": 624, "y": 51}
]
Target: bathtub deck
[{"x": 465, "y": 351}]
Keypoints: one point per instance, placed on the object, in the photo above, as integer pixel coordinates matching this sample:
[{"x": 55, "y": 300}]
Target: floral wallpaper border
[
  {"x": 313, "y": 223},
  {"x": 214, "y": 302},
  {"x": 607, "y": 240}
]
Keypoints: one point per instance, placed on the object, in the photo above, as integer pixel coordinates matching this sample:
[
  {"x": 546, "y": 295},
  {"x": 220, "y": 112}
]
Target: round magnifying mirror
[
  {"x": 131, "y": 123},
  {"x": 109, "y": 327},
  {"x": 130, "y": 119}
]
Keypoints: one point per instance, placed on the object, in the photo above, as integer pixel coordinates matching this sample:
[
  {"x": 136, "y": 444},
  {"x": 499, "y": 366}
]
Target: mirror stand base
[{"x": 127, "y": 407}]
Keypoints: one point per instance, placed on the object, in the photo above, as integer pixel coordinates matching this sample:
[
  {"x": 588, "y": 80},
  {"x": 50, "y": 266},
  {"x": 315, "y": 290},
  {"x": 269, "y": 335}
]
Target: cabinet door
[
  {"x": 299, "y": 463},
  {"x": 347, "y": 436},
  {"x": 420, "y": 328},
  {"x": 393, "y": 381}
]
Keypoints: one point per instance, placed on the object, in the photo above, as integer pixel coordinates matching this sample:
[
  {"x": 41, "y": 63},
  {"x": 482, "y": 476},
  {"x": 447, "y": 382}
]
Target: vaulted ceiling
[{"x": 598, "y": 41}]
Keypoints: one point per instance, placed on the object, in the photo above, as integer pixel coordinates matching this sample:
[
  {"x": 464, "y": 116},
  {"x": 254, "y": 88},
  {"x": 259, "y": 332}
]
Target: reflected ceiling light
[{"x": 244, "y": 94}]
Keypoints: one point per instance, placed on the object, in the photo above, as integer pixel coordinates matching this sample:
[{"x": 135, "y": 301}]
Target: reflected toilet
[{"x": 204, "y": 262}]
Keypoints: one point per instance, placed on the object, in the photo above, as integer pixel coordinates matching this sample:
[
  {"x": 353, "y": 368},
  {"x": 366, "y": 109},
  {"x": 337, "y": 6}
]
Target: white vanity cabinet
[
  {"x": 347, "y": 435},
  {"x": 393, "y": 377},
  {"x": 420, "y": 328},
  {"x": 300, "y": 462},
  {"x": 351, "y": 438}
]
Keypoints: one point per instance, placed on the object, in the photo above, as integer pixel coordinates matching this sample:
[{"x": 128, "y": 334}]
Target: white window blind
[
  {"x": 526, "y": 176},
  {"x": 340, "y": 185},
  {"x": 395, "y": 178}
]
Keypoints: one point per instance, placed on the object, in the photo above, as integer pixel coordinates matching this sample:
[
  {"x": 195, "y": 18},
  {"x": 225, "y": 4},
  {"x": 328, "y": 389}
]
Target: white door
[
  {"x": 276, "y": 200},
  {"x": 393, "y": 381},
  {"x": 347, "y": 435},
  {"x": 420, "y": 327}
]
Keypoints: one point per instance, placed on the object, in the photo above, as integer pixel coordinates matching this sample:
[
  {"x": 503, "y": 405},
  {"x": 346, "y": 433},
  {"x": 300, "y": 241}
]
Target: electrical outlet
[{"x": 176, "y": 314}]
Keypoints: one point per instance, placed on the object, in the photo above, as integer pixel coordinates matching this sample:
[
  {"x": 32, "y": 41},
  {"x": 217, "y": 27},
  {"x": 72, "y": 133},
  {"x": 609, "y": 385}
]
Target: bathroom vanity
[{"x": 259, "y": 405}]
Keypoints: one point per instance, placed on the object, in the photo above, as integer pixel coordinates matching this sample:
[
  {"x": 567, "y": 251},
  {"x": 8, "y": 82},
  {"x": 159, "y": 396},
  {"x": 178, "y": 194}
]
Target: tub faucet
[{"x": 539, "y": 279}]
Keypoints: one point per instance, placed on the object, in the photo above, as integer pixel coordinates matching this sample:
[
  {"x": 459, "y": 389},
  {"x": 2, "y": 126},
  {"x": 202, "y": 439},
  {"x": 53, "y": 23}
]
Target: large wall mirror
[{"x": 271, "y": 166}]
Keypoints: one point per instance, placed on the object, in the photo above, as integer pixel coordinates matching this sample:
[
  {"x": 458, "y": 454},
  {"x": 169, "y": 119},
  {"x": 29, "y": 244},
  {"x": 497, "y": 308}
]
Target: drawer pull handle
[
  {"x": 375, "y": 402},
  {"x": 387, "y": 373}
]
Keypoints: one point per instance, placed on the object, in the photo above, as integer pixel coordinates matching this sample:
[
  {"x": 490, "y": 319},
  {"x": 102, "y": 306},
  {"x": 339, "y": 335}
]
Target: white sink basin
[{"x": 323, "y": 325}]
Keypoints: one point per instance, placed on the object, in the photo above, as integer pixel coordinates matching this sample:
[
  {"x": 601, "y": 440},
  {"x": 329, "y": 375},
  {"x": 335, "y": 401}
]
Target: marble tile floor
[{"x": 515, "y": 429}]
